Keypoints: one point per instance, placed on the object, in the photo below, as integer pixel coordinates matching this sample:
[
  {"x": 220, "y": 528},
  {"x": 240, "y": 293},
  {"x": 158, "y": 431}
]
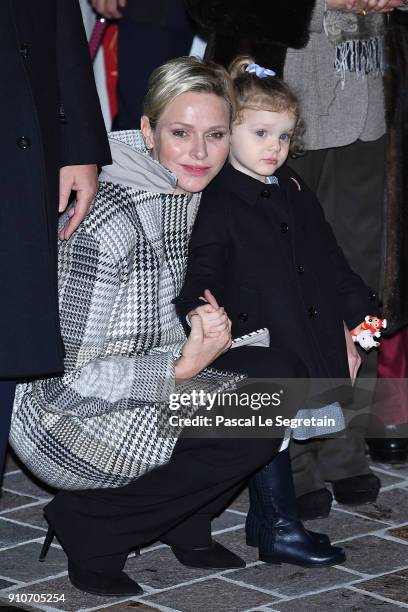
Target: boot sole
[
  {"x": 356, "y": 499},
  {"x": 271, "y": 560}
]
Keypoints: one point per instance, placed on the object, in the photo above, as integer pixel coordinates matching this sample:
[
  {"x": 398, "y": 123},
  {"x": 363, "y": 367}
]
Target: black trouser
[
  {"x": 97, "y": 528},
  {"x": 349, "y": 182},
  {"x": 7, "y": 390}
]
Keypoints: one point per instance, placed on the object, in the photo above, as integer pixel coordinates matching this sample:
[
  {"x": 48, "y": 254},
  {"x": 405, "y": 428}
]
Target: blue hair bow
[{"x": 260, "y": 71}]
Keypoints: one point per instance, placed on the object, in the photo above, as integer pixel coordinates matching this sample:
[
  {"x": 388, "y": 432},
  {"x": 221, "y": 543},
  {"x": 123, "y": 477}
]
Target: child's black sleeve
[
  {"x": 208, "y": 252},
  {"x": 356, "y": 299}
]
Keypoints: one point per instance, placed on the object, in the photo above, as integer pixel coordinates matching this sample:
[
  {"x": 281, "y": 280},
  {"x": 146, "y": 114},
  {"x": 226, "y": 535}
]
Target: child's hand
[
  {"x": 214, "y": 319},
  {"x": 354, "y": 359},
  {"x": 200, "y": 351}
]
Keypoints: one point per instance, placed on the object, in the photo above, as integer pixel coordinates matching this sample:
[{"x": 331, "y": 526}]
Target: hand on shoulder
[{"x": 83, "y": 179}]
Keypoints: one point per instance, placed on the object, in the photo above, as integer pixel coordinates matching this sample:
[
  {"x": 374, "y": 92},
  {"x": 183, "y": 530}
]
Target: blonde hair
[
  {"x": 182, "y": 75},
  {"x": 268, "y": 93}
]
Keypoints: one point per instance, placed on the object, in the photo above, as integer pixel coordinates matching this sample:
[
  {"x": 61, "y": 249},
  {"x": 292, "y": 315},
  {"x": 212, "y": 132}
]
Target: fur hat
[{"x": 279, "y": 22}]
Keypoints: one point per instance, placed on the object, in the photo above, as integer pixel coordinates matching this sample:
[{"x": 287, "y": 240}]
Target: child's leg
[{"x": 273, "y": 523}]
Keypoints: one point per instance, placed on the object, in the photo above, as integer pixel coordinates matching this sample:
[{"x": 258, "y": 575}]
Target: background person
[
  {"x": 150, "y": 33},
  {"x": 53, "y": 137}
]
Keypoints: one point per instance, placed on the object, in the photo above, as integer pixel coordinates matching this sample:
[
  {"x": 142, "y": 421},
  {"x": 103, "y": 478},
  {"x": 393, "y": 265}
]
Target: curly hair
[{"x": 268, "y": 93}]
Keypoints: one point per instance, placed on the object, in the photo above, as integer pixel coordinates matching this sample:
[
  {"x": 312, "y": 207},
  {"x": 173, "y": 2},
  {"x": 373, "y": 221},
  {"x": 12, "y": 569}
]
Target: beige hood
[{"x": 132, "y": 165}]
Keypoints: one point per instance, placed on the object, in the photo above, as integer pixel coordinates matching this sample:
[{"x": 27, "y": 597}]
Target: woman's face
[{"x": 191, "y": 139}]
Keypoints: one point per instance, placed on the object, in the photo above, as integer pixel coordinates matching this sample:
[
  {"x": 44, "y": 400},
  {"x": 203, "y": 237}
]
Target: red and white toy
[{"x": 366, "y": 333}]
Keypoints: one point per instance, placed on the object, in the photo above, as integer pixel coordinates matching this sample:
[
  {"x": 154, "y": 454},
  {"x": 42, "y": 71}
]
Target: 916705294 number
[{"x": 36, "y": 597}]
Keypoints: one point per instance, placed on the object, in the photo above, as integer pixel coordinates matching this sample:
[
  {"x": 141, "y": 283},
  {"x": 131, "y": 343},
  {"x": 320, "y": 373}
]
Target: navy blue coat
[
  {"x": 164, "y": 13},
  {"x": 51, "y": 117},
  {"x": 271, "y": 259}
]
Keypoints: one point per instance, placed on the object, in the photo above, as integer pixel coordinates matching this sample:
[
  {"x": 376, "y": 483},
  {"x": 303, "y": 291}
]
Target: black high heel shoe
[
  {"x": 193, "y": 546},
  {"x": 272, "y": 496},
  {"x": 47, "y": 543},
  {"x": 97, "y": 583},
  {"x": 214, "y": 556}
]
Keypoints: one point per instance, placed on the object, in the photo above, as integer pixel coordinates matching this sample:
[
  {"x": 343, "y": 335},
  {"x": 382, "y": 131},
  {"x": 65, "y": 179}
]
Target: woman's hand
[
  {"x": 354, "y": 359},
  {"x": 359, "y": 6},
  {"x": 84, "y": 180},
  {"x": 200, "y": 351},
  {"x": 213, "y": 317},
  {"x": 109, "y": 8}
]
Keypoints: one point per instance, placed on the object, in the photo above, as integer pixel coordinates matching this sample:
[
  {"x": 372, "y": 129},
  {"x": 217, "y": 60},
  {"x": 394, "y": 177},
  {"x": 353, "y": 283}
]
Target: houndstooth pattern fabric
[{"x": 106, "y": 421}]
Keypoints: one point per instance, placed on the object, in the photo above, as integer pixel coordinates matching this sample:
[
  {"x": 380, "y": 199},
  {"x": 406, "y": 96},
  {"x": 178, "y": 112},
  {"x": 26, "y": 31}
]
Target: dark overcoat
[
  {"x": 51, "y": 117},
  {"x": 164, "y": 13},
  {"x": 271, "y": 259},
  {"x": 395, "y": 286},
  {"x": 262, "y": 29}
]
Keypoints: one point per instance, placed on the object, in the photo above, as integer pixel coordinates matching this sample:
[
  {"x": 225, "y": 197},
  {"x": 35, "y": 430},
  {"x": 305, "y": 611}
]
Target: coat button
[
  {"x": 24, "y": 50},
  {"x": 312, "y": 312},
  {"x": 243, "y": 316},
  {"x": 23, "y": 142},
  {"x": 300, "y": 269},
  {"x": 372, "y": 296},
  {"x": 284, "y": 228},
  {"x": 265, "y": 193},
  {"x": 61, "y": 115}
]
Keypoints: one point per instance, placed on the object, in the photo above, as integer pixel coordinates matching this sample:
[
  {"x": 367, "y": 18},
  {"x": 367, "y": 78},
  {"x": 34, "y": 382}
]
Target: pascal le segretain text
[{"x": 255, "y": 420}]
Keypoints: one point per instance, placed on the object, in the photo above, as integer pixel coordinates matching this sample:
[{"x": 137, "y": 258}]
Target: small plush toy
[{"x": 366, "y": 333}]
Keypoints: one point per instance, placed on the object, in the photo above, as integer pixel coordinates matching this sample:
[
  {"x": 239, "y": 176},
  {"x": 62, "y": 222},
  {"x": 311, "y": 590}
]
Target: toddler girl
[{"x": 263, "y": 248}]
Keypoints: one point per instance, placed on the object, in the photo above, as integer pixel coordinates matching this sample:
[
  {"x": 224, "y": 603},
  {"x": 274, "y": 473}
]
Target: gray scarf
[{"x": 358, "y": 41}]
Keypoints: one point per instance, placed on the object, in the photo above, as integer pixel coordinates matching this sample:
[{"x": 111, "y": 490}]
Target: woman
[{"x": 126, "y": 352}]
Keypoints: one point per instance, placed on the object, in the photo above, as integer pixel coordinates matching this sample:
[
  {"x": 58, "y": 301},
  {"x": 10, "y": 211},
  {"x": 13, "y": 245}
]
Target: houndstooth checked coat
[{"x": 105, "y": 422}]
